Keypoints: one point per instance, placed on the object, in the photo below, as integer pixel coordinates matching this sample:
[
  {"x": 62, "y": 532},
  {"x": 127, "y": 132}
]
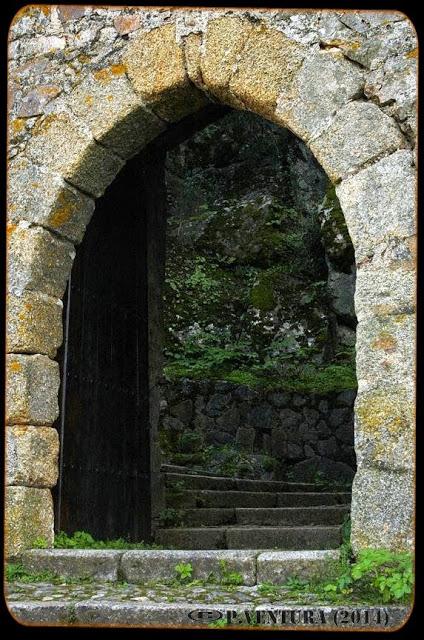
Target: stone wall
[
  {"x": 308, "y": 435},
  {"x": 90, "y": 86}
]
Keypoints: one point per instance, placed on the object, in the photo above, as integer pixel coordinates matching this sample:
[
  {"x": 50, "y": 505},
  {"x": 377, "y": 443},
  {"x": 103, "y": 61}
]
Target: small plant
[
  {"x": 84, "y": 540},
  {"x": 170, "y": 517},
  {"x": 184, "y": 571},
  {"x": 229, "y": 578}
]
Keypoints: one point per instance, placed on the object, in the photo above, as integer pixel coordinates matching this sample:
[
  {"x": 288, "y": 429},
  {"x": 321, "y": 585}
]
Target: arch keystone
[{"x": 156, "y": 68}]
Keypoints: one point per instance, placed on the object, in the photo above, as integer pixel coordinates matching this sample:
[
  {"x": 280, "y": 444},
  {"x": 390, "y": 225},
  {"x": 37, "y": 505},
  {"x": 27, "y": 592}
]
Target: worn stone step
[
  {"x": 293, "y": 516},
  {"x": 160, "y": 613},
  {"x": 159, "y": 565},
  {"x": 220, "y": 483},
  {"x": 210, "y": 517},
  {"x": 273, "y": 516},
  {"x": 155, "y": 565},
  {"x": 231, "y": 499},
  {"x": 192, "y": 538},
  {"x": 251, "y": 537},
  {"x": 285, "y": 538}
]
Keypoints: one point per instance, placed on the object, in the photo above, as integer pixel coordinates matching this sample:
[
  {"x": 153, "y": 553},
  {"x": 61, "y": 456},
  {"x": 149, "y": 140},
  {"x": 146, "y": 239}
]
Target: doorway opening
[{"x": 209, "y": 331}]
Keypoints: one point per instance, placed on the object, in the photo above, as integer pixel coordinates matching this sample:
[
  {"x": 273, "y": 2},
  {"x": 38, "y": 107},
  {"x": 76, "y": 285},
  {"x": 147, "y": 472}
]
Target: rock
[
  {"x": 378, "y": 202},
  {"x": 346, "y": 398},
  {"x": 311, "y": 416},
  {"x": 299, "y": 401},
  {"x": 155, "y": 67},
  {"x": 75, "y": 563},
  {"x": 260, "y": 417},
  {"x": 345, "y": 433},
  {"x": 64, "y": 146},
  {"x": 309, "y": 452},
  {"x": 107, "y": 104},
  {"x": 307, "y": 470},
  {"x": 33, "y": 103},
  {"x": 289, "y": 418},
  {"x": 37, "y": 260},
  {"x": 172, "y": 423},
  {"x": 229, "y": 420},
  {"x": 341, "y": 288},
  {"x": 339, "y": 416},
  {"x": 294, "y": 451},
  {"x": 245, "y": 438},
  {"x": 217, "y": 403},
  {"x": 279, "y": 443},
  {"x": 34, "y": 323},
  {"x": 349, "y": 142},
  {"x": 322, "y": 428},
  {"x": 278, "y": 566},
  {"x": 32, "y": 456},
  {"x": 31, "y": 390},
  {"x": 183, "y": 411},
  {"x": 327, "y": 448},
  {"x": 309, "y": 107},
  {"x": 28, "y": 517},
  {"x": 383, "y": 509},
  {"x": 280, "y": 399},
  {"x": 50, "y": 202},
  {"x": 126, "y": 24}
]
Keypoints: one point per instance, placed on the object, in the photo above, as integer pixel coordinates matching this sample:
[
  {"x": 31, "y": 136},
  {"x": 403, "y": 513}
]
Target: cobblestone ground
[{"x": 123, "y": 592}]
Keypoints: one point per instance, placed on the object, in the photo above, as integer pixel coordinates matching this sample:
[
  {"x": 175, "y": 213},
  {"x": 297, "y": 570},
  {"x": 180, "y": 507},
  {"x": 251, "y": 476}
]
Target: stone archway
[{"x": 74, "y": 152}]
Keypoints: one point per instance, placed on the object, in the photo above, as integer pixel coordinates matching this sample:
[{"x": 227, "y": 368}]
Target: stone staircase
[{"x": 217, "y": 512}]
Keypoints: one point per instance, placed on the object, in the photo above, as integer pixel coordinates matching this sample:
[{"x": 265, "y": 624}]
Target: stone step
[
  {"x": 220, "y": 483},
  {"x": 288, "y": 516},
  {"x": 251, "y": 537},
  {"x": 231, "y": 499},
  {"x": 158, "y": 612},
  {"x": 156, "y": 565}
]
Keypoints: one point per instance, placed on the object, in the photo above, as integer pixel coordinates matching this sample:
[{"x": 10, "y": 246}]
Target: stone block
[
  {"x": 50, "y": 202},
  {"x": 74, "y": 563},
  {"x": 65, "y": 146},
  {"x": 31, "y": 390},
  {"x": 152, "y": 566},
  {"x": 382, "y": 509},
  {"x": 37, "y": 613},
  {"x": 183, "y": 411},
  {"x": 384, "y": 291},
  {"x": 34, "y": 323},
  {"x": 386, "y": 353},
  {"x": 278, "y": 566},
  {"x": 28, "y": 516},
  {"x": 245, "y": 438},
  {"x": 385, "y": 428},
  {"x": 37, "y": 260},
  {"x": 155, "y": 66},
  {"x": 325, "y": 82},
  {"x": 32, "y": 456},
  {"x": 268, "y": 64},
  {"x": 224, "y": 41},
  {"x": 106, "y": 102},
  {"x": 352, "y": 140},
  {"x": 379, "y": 201}
]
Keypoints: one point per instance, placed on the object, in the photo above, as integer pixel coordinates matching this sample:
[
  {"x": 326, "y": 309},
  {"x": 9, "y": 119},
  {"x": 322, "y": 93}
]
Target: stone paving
[{"x": 154, "y": 604}]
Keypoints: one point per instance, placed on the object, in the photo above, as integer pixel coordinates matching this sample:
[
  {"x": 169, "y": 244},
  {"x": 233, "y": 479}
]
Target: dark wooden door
[{"x": 104, "y": 483}]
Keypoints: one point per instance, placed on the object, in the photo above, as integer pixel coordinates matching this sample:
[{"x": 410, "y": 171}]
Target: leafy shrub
[{"x": 84, "y": 540}]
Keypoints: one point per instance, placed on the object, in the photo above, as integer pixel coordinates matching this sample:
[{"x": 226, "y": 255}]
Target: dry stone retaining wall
[
  {"x": 90, "y": 86},
  {"x": 308, "y": 435}
]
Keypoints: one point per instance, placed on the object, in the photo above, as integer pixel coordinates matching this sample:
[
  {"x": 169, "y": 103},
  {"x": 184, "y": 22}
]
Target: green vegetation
[
  {"x": 228, "y": 577},
  {"x": 84, "y": 540},
  {"x": 18, "y": 573},
  {"x": 184, "y": 571},
  {"x": 226, "y": 460},
  {"x": 170, "y": 517}
]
